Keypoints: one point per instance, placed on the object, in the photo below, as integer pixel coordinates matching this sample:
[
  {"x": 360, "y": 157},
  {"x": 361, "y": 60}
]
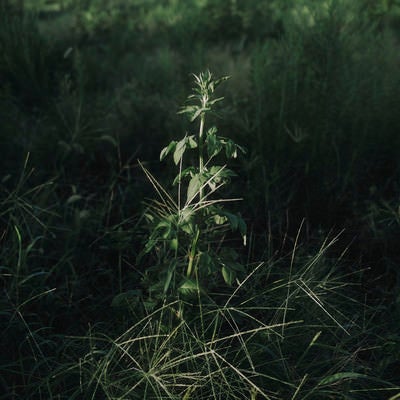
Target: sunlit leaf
[
  {"x": 194, "y": 187},
  {"x": 219, "y": 219},
  {"x": 189, "y": 286},
  {"x": 166, "y": 150},
  {"x": 228, "y": 275},
  {"x": 179, "y": 150},
  {"x": 198, "y": 112},
  {"x": 188, "y": 110},
  {"x": 211, "y": 102},
  {"x": 191, "y": 142}
]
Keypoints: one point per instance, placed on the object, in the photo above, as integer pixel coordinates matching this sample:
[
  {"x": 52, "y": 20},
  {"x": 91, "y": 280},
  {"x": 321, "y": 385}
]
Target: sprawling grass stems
[{"x": 317, "y": 110}]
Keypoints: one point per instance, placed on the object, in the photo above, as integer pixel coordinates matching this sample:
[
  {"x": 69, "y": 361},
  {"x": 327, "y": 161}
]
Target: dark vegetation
[{"x": 98, "y": 301}]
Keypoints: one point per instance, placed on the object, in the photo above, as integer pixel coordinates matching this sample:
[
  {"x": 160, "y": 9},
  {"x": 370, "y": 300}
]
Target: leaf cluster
[{"x": 187, "y": 234}]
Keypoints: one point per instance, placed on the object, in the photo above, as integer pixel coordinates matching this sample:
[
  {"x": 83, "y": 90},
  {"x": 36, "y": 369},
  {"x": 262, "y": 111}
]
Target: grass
[
  {"x": 262, "y": 339},
  {"x": 300, "y": 312}
]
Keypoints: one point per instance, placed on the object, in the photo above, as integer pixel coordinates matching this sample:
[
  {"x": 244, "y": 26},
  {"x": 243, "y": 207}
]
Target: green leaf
[
  {"x": 241, "y": 148},
  {"x": 242, "y": 226},
  {"x": 194, "y": 186},
  {"x": 228, "y": 275},
  {"x": 186, "y": 223},
  {"x": 228, "y": 254},
  {"x": 179, "y": 150},
  {"x": 219, "y": 219},
  {"x": 198, "y": 112},
  {"x": 149, "y": 305},
  {"x": 236, "y": 222},
  {"x": 188, "y": 227},
  {"x": 188, "y": 109},
  {"x": 237, "y": 267},
  {"x": 243, "y": 230},
  {"x": 218, "y": 81},
  {"x": 233, "y": 220},
  {"x": 191, "y": 142},
  {"x": 206, "y": 262},
  {"x": 150, "y": 245},
  {"x": 214, "y": 144},
  {"x": 212, "y": 131},
  {"x": 73, "y": 199},
  {"x": 173, "y": 244},
  {"x": 230, "y": 149},
  {"x": 339, "y": 377},
  {"x": 186, "y": 172},
  {"x": 189, "y": 286},
  {"x": 170, "y": 274},
  {"x": 166, "y": 228},
  {"x": 186, "y": 214},
  {"x": 219, "y": 174},
  {"x": 126, "y": 298},
  {"x": 110, "y": 139},
  {"x": 212, "y": 102},
  {"x": 166, "y": 150}
]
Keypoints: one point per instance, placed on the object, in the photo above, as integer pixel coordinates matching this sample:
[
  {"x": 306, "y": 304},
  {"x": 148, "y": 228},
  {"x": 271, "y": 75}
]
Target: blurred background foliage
[
  {"x": 313, "y": 94},
  {"x": 87, "y": 87}
]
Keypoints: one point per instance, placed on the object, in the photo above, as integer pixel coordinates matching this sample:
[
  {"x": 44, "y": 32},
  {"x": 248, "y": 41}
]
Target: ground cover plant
[{"x": 256, "y": 256}]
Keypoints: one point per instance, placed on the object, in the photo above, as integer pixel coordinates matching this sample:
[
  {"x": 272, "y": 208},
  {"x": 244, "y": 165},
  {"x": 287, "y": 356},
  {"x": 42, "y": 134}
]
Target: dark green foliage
[
  {"x": 187, "y": 230},
  {"x": 89, "y": 87}
]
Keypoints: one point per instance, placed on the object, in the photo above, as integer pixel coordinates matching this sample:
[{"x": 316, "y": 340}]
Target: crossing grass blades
[{"x": 212, "y": 328}]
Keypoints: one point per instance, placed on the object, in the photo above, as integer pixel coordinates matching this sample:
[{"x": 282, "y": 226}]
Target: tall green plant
[{"x": 188, "y": 229}]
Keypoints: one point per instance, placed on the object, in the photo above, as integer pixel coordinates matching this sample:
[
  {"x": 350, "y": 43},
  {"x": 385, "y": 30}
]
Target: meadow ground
[{"x": 258, "y": 257}]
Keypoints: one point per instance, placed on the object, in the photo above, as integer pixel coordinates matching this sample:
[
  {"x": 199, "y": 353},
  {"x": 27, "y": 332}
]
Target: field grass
[{"x": 118, "y": 283}]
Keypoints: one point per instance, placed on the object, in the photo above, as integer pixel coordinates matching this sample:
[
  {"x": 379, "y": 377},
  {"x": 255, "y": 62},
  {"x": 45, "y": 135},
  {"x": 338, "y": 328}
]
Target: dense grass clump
[{"x": 256, "y": 257}]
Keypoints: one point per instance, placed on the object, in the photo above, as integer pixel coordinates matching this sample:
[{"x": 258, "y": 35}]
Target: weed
[
  {"x": 106, "y": 296},
  {"x": 188, "y": 232}
]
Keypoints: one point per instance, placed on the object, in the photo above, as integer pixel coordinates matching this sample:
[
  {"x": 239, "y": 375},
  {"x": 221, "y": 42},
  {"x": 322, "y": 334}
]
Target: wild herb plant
[
  {"x": 318, "y": 109},
  {"x": 279, "y": 334},
  {"x": 188, "y": 230}
]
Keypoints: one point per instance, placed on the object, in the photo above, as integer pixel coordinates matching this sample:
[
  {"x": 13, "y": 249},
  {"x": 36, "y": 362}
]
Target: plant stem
[
  {"x": 204, "y": 103},
  {"x": 201, "y": 157},
  {"x": 192, "y": 253}
]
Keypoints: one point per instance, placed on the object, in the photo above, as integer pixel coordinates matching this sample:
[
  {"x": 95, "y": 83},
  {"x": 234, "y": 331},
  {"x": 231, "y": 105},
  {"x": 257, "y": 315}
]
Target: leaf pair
[
  {"x": 178, "y": 148},
  {"x": 215, "y": 144}
]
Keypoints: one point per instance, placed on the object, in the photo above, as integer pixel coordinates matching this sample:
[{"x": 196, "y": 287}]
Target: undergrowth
[{"x": 111, "y": 290}]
